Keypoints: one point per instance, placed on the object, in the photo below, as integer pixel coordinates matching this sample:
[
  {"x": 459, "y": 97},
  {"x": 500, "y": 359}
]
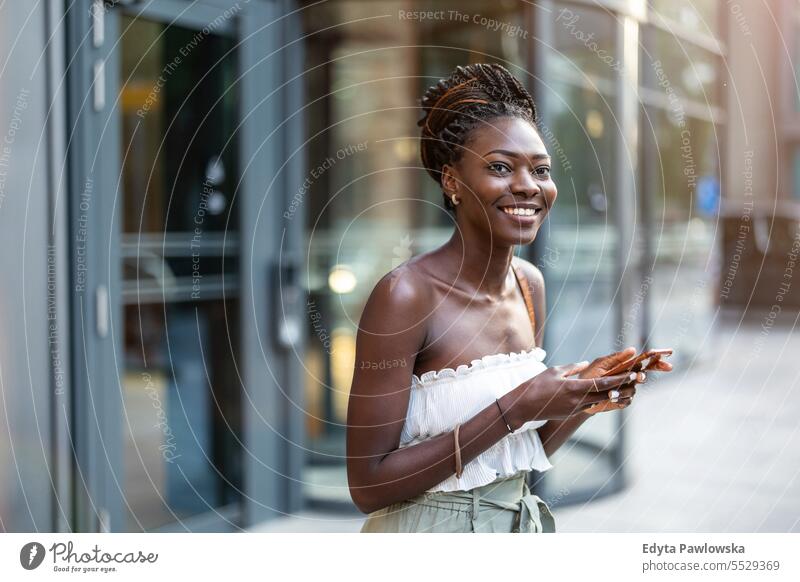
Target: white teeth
[{"x": 520, "y": 211}]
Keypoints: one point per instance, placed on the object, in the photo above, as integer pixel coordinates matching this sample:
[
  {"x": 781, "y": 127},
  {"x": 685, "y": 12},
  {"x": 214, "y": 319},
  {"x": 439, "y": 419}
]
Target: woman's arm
[{"x": 392, "y": 329}]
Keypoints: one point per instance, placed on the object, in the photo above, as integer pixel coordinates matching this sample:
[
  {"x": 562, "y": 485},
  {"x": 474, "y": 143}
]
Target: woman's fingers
[
  {"x": 605, "y": 406},
  {"x": 622, "y": 356},
  {"x": 606, "y": 383},
  {"x": 625, "y": 392},
  {"x": 658, "y": 365},
  {"x": 662, "y": 366},
  {"x": 572, "y": 369},
  {"x": 611, "y": 361}
]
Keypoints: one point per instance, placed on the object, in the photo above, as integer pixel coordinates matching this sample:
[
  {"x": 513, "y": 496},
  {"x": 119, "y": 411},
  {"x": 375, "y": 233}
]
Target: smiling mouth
[{"x": 521, "y": 211}]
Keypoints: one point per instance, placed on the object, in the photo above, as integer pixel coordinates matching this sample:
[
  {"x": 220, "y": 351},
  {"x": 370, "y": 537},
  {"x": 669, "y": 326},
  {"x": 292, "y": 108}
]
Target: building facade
[{"x": 198, "y": 197}]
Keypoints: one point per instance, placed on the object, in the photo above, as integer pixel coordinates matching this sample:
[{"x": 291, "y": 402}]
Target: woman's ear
[{"x": 450, "y": 181}]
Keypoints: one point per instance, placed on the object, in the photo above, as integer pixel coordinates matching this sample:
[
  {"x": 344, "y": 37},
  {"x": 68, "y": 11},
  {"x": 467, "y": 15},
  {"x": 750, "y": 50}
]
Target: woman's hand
[
  {"x": 603, "y": 364},
  {"x": 553, "y": 394}
]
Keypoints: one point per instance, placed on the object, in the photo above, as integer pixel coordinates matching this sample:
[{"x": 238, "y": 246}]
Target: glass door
[
  {"x": 192, "y": 147},
  {"x": 181, "y": 401}
]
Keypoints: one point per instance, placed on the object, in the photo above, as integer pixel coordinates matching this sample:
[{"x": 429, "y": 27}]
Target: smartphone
[{"x": 636, "y": 363}]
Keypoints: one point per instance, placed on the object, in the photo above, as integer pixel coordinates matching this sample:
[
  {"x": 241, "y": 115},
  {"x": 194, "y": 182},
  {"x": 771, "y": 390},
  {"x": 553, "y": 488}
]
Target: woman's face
[{"x": 502, "y": 181}]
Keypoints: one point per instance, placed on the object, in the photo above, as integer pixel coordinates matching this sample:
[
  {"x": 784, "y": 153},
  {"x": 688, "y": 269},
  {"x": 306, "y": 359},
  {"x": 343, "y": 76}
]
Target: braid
[{"x": 456, "y": 105}]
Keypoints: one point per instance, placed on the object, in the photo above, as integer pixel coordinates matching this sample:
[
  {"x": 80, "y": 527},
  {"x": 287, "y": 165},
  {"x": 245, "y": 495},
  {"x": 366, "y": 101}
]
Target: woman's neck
[{"x": 479, "y": 266}]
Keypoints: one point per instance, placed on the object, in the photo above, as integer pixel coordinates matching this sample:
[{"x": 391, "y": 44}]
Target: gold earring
[{"x": 453, "y": 198}]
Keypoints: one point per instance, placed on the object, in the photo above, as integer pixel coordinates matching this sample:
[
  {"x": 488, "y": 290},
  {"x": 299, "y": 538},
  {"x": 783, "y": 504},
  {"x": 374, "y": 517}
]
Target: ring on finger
[{"x": 613, "y": 395}]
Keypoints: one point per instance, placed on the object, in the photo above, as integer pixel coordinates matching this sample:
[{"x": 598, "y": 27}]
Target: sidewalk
[{"x": 714, "y": 448}]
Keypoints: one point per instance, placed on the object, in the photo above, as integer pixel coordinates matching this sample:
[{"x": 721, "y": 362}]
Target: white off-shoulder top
[{"x": 441, "y": 399}]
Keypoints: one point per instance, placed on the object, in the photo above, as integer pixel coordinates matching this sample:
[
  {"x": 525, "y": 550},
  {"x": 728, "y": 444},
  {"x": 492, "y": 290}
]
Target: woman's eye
[
  {"x": 543, "y": 171},
  {"x": 498, "y": 167}
]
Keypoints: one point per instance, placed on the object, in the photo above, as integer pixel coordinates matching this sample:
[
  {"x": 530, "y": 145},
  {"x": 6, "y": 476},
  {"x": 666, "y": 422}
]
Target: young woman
[{"x": 451, "y": 405}]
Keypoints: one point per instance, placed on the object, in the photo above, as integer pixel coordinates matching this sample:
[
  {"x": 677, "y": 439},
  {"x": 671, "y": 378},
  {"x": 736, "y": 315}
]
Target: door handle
[{"x": 286, "y": 307}]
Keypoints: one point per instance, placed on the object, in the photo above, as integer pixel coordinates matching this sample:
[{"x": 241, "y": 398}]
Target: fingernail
[
  {"x": 644, "y": 377},
  {"x": 632, "y": 376}
]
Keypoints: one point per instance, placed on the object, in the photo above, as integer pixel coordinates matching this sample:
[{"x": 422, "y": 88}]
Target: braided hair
[{"x": 458, "y": 104}]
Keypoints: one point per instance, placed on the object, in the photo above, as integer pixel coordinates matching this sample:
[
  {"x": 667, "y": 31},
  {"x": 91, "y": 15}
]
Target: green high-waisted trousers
[{"x": 505, "y": 505}]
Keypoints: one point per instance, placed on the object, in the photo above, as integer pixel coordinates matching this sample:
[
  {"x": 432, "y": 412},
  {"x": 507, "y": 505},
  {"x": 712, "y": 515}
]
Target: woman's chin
[
  {"x": 523, "y": 236},
  {"x": 527, "y": 238},
  {"x": 522, "y": 233},
  {"x": 522, "y": 229}
]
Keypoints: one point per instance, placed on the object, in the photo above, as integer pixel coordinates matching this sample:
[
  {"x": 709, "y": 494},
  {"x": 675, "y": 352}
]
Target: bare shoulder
[
  {"x": 405, "y": 284},
  {"x": 402, "y": 294}
]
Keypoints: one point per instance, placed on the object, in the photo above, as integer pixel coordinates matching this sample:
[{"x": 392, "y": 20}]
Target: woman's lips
[{"x": 523, "y": 219}]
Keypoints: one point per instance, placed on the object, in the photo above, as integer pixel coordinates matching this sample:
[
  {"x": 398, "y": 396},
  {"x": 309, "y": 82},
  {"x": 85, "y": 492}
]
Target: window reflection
[
  {"x": 681, "y": 180},
  {"x": 583, "y": 47},
  {"x": 688, "y": 70},
  {"x": 695, "y": 15}
]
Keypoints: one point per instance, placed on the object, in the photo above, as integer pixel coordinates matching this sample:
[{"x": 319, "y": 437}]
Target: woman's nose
[{"x": 525, "y": 185}]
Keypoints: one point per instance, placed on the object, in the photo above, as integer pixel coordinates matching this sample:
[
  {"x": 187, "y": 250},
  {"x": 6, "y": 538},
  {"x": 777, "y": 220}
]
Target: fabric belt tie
[{"x": 534, "y": 515}]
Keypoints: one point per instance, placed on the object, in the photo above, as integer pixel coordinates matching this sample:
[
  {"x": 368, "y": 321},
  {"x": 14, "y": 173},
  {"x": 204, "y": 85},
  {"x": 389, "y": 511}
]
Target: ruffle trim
[{"x": 486, "y": 362}]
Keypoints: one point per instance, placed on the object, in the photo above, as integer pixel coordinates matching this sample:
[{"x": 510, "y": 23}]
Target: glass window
[
  {"x": 583, "y": 46},
  {"x": 670, "y": 65},
  {"x": 695, "y": 15},
  {"x": 686, "y": 158},
  {"x": 578, "y": 259},
  {"x": 681, "y": 183}
]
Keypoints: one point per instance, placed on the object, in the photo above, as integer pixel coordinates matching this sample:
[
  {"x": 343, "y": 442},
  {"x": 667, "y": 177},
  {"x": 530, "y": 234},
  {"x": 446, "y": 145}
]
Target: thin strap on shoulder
[{"x": 526, "y": 294}]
